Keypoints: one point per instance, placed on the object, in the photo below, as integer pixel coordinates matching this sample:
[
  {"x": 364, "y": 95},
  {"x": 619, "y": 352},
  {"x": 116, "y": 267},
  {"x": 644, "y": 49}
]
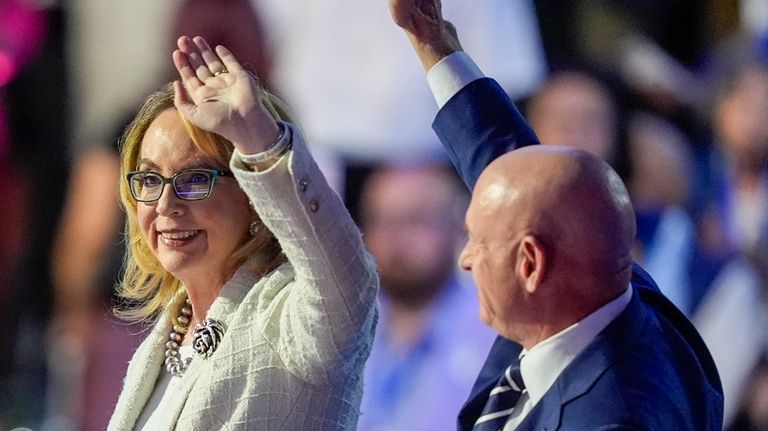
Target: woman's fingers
[
  {"x": 181, "y": 97},
  {"x": 229, "y": 60},
  {"x": 212, "y": 61},
  {"x": 194, "y": 57},
  {"x": 197, "y": 63},
  {"x": 187, "y": 74}
]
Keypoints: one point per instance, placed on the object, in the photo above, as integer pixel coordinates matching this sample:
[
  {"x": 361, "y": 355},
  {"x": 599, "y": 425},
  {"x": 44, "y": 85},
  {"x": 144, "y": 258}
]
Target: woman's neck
[{"x": 202, "y": 292}]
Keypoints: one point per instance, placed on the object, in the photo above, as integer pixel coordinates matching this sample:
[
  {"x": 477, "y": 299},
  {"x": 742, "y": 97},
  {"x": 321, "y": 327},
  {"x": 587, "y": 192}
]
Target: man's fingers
[
  {"x": 421, "y": 18},
  {"x": 401, "y": 11}
]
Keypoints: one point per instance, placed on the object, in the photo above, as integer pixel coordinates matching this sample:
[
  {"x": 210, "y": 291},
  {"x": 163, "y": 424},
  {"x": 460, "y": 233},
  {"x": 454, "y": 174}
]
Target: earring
[{"x": 254, "y": 227}]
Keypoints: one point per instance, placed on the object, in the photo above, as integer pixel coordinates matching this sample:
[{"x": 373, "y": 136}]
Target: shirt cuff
[{"x": 450, "y": 75}]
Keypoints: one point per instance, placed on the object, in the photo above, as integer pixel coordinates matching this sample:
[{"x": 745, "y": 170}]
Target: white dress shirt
[{"x": 542, "y": 365}]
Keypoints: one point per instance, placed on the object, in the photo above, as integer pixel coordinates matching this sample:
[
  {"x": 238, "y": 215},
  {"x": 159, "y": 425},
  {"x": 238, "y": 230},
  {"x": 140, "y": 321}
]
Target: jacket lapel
[
  {"x": 503, "y": 353},
  {"x": 141, "y": 376},
  {"x": 222, "y": 310},
  {"x": 575, "y": 380},
  {"x": 147, "y": 362},
  {"x": 580, "y": 376}
]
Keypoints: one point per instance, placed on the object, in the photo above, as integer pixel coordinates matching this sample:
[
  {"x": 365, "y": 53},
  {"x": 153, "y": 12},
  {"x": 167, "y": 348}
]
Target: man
[
  {"x": 429, "y": 342},
  {"x": 549, "y": 235}
]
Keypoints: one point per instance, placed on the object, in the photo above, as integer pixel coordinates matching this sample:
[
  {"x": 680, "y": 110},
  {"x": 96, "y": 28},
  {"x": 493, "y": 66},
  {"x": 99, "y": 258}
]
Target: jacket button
[
  {"x": 314, "y": 206},
  {"x": 303, "y": 184}
]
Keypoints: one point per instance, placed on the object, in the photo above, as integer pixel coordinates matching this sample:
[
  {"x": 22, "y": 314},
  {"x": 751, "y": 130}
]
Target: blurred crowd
[{"x": 672, "y": 93}]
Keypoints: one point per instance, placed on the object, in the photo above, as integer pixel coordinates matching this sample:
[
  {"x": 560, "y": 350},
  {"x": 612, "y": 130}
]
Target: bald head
[
  {"x": 550, "y": 231},
  {"x": 574, "y": 202}
]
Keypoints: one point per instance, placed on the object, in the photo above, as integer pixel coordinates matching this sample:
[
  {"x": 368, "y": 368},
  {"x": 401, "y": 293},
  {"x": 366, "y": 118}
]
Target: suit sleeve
[{"x": 477, "y": 125}]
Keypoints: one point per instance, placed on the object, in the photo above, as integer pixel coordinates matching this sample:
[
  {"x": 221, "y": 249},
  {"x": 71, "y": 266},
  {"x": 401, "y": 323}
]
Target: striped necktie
[{"x": 501, "y": 400}]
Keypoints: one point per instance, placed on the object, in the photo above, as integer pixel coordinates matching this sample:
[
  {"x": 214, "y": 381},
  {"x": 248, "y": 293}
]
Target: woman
[{"x": 219, "y": 193}]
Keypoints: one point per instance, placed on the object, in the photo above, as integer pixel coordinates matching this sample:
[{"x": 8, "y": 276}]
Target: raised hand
[
  {"x": 218, "y": 95},
  {"x": 431, "y": 36}
]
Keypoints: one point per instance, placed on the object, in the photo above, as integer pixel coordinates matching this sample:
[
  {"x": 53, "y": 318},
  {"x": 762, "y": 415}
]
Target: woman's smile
[{"x": 178, "y": 238}]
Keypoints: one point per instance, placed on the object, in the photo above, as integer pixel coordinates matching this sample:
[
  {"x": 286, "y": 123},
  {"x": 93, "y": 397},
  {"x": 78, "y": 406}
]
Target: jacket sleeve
[
  {"x": 478, "y": 124},
  {"x": 325, "y": 318}
]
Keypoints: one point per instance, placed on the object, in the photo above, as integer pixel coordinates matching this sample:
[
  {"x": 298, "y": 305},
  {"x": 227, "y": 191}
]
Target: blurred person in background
[
  {"x": 34, "y": 137},
  {"x": 574, "y": 108},
  {"x": 732, "y": 241},
  {"x": 578, "y": 109},
  {"x": 661, "y": 171},
  {"x": 88, "y": 347},
  {"x": 742, "y": 140},
  {"x": 429, "y": 341}
]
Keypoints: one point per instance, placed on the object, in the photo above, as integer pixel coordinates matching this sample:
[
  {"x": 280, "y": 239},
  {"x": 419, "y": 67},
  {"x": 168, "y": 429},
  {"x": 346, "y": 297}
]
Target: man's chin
[{"x": 486, "y": 318}]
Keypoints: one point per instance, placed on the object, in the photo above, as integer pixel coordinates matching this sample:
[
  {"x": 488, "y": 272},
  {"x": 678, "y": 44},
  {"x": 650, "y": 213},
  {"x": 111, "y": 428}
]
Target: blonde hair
[{"x": 147, "y": 288}]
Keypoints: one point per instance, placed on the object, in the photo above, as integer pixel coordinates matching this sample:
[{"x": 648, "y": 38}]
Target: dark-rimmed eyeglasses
[{"x": 189, "y": 184}]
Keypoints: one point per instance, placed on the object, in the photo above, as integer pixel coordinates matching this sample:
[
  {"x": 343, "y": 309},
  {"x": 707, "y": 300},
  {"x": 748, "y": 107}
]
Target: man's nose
[{"x": 465, "y": 261}]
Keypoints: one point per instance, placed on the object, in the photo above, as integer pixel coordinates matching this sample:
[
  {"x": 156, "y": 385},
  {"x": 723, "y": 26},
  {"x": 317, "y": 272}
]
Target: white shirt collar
[{"x": 542, "y": 365}]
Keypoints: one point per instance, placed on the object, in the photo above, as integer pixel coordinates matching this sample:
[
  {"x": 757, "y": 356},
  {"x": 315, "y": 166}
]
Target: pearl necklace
[
  {"x": 173, "y": 362},
  {"x": 205, "y": 339}
]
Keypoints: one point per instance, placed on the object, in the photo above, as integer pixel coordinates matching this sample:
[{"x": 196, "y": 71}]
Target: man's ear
[{"x": 532, "y": 263}]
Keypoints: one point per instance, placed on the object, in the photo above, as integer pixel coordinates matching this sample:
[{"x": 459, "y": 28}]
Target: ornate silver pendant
[{"x": 207, "y": 337}]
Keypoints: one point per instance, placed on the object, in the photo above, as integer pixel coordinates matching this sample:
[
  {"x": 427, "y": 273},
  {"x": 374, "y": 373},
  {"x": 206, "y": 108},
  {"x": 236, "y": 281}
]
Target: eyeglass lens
[
  {"x": 189, "y": 185},
  {"x": 192, "y": 185}
]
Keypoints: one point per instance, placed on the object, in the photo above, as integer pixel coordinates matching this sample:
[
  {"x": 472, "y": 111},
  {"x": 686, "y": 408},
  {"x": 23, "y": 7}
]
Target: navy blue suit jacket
[{"x": 647, "y": 370}]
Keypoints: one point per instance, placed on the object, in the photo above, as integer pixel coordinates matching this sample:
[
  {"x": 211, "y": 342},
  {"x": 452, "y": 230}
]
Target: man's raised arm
[
  {"x": 477, "y": 121},
  {"x": 432, "y": 37}
]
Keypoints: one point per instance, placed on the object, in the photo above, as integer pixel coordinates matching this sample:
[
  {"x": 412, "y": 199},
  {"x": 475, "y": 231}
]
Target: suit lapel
[
  {"x": 472, "y": 408},
  {"x": 580, "y": 376},
  {"x": 503, "y": 353},
  {"x": 573, "y": 382}
]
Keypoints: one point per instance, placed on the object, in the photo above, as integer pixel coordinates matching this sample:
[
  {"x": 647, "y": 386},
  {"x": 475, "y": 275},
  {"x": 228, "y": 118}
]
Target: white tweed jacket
[{"x": 296, "y": 340}]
